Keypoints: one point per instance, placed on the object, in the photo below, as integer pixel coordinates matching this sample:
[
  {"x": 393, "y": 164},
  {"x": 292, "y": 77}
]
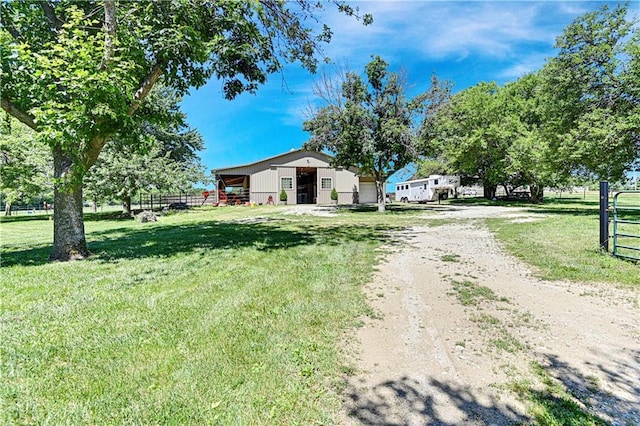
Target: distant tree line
[{"x": 577, "y": 118}]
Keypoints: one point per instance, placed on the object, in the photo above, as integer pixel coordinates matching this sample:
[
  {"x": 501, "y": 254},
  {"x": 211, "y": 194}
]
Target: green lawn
[
  {"x": 219, "y": 316},
  {"x": 229, "y": 316},
  {"x": 564, "y": 242}
]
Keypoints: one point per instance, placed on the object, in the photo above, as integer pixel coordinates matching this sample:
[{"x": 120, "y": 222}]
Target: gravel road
[{"x": 459, "y": 320}]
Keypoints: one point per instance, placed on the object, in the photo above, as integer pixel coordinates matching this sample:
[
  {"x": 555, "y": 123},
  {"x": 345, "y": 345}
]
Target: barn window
[
  {"x": 286, "y": 183},
  {"x": 435, "y": 181},
  {"x": 326, "y": 183}
]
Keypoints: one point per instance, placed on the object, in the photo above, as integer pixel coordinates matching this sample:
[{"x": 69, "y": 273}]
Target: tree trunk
[
  {"x": 537, "y": 193},
  {"x": 381, "y": 196},
  {"x": 126, "y": 205},
  {"x": 490, "y": 191},
  {"x": 69, "y": 241},
  {"x": 7, "y": 209}
]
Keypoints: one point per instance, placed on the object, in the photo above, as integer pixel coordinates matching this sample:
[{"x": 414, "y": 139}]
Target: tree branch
[
  {"x": 7, "y": 24},
  {"x": 146, "y": 86},
  {"x": 50, "y": 13},
  {"x": 96, "y": 144},
  {"x": 109, "y": 33},
  {"x": 19, "y": 114}
]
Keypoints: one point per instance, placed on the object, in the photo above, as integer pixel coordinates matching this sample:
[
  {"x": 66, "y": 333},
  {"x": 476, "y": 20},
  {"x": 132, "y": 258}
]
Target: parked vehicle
[{"x": 433, "y": 188}]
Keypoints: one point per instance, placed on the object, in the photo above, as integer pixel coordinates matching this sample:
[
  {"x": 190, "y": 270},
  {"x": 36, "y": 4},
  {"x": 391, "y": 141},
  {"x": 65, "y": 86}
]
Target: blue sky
[{"x": 465, "y": 42}]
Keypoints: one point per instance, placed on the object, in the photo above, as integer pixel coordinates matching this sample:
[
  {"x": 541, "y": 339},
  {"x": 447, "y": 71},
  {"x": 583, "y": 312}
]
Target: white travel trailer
[{"x": 433, "y": 188}]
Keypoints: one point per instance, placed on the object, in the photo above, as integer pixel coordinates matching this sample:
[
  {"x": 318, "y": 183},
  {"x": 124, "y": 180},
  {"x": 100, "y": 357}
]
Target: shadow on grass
[
  {"x": 579, "y": 399},
  {"x": 405, "y": 401},
  {"x": 34, "y": 256},
  {"x": 164, "y": 241}
]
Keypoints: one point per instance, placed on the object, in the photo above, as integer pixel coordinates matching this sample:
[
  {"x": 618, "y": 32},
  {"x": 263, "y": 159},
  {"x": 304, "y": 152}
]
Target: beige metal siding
[
  {"x": 291, "y": 193},
  {"x": 347, "y": 186},
  {"x": 264, "y": 176},
  {"x": 324, "y": 195},
  {"x": 346, "y": 181},
  {"x": 307, "y": 161},
  {"x": 265, "y": 181}
]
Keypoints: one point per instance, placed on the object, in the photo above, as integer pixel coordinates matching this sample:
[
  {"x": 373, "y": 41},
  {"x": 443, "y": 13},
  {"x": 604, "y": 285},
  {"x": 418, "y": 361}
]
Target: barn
[{"x": 306, "y": 176}]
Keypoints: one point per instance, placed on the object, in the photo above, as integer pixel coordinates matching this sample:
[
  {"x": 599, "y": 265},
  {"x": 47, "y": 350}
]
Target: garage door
[{"x": 368, "y": 192}]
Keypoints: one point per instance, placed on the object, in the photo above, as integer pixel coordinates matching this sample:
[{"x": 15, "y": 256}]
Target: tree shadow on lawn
[
  {"x": 164, "y": 241},
  {"x": 404, "y": 401},
  {"x": 590, "y": 401}
]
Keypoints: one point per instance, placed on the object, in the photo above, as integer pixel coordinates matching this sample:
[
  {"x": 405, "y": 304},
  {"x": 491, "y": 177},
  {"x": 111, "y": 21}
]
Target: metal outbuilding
[{"x": 306, "y": 176}]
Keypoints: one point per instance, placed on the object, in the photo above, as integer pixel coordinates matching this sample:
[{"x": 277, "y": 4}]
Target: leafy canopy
[{"x": 371, "y": 123}]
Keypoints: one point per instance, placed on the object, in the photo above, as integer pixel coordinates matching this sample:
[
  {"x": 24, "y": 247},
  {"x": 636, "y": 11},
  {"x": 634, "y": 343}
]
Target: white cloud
[
  {"x": 524, "y": 66},
  {"x": 449, "y": 29}
]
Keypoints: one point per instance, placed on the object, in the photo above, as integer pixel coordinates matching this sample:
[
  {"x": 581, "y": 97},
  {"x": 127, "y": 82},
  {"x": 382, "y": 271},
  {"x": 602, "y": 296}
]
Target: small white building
[
  {"x": 433, "y": 188},
  {"x": 306, "y": 176}
]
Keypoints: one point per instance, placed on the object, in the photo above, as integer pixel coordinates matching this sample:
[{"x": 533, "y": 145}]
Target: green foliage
[
  {"x": 25, "y": 163},
  {"x": 552, "y": 402},
  {"x": 79, "y": 72},
  {"x": 334, "y": 194},
  {"x": 493, "y": 133},
  {"x": 590, "y": 96},
  {"x": 164, "y": 159},
  {"x": 469, "y": 293},
  {"x": 372, "y": 124},
  {"x": 468, "y": 135},
  {"x": 580, "y": 115},
  {"x": 430, "y": 166},
  {"x": 450, "y": 257}
]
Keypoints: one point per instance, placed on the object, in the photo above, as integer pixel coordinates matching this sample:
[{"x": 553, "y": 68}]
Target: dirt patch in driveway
[{"x": 461, "y": 322}]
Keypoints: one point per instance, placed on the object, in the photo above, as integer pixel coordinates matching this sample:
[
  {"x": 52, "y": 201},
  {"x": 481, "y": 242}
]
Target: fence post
[{"x": 604, "y": 215}]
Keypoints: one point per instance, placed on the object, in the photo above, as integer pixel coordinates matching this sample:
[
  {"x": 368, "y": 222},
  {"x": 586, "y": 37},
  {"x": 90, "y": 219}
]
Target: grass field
[
  {"x": 227, "y": 316},
  {"x": 564, "y": 242}
]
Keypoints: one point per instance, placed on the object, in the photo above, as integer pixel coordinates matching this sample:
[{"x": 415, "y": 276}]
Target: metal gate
[{"x": 626, "y": 224}]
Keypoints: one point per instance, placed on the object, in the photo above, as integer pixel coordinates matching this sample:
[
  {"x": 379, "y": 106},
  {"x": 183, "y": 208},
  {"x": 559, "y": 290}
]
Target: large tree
[
  {"x": 79, "y": 72},
  {"x": 371, "y": 124},
  {"x": 591, "y": 95},
  {"x": 469, "y": 135}
]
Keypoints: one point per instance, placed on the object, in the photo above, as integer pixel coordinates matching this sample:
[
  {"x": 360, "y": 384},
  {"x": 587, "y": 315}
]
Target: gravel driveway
[{"x": 460, "y": 320}]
